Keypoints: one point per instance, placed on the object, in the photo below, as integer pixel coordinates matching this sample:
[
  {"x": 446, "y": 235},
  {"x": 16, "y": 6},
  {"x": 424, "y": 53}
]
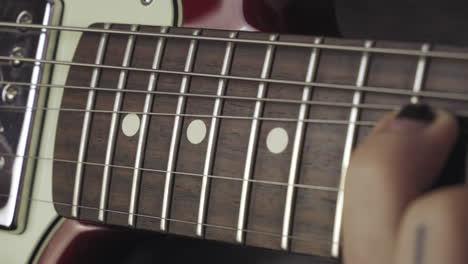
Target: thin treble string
[
  {"x": 314, "y": 121},
  {"x": 209, "y": 96},
  {"x": 394, "y": 51},
  {"x": 380, "y": 107},
  {"x": 285, "y": 184},
  {"x": 271, "y": 234},
  {"x": 296, "y": 84}
]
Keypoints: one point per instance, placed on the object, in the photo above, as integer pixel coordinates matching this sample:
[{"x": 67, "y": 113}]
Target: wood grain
[{"x": 322, "y": 151}]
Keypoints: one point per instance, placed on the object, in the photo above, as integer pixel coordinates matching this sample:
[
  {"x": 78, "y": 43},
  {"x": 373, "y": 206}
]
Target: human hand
[{"x": 389, "y": 215}]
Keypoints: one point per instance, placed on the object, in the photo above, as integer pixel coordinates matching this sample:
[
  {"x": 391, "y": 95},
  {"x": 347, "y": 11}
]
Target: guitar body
[
  {"x": 268, "y": 180},
  {"x": 48, "y": 238}
]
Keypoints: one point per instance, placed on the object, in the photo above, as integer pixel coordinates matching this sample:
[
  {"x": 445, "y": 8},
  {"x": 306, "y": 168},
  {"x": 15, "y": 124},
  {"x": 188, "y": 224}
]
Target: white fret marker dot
[
  {"x": 130, "y": 125},
  {"x": 277, "y": 140},
  {"x": 196, "y": 131}
]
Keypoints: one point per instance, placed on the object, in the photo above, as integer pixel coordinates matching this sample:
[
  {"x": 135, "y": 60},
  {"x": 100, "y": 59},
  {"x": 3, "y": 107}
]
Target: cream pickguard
[{"x": 19, "y": 247}]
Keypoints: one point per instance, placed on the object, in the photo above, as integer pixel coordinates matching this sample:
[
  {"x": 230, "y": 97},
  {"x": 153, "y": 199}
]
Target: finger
[
  {"x": 434, "y": 229},
  {"x": 397, "y": 162}
]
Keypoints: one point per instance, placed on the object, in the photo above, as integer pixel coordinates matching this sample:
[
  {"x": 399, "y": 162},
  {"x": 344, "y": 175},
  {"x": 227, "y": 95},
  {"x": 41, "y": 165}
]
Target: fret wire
[
  {"x": 317, "y": 121},
  {"x": 348, "y": 148},
  {"x": 176, "y": 131},
  {"x": 452, "y": 96},
  {"x": 308, "y": 239},
  {"x": 144, "y": 130},
  {"x": 86, "y": 124},
  {"x": 297, "y": 147},
  {"x": 253, "y": 138},
  {"x": 419, "y": 76},
  {"x": 104, "y": 197},
  {"x": 394, "y": 51},
  {"x": 212, "y": 137}
]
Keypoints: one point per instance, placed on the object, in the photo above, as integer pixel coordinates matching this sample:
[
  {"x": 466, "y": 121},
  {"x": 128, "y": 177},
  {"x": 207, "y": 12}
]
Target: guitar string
[
  {"x": 394, "y": 51},
  {"x": 295, "y": 84},
  {"x": 209, "y": 96},
  {"x": 266, "y": 233},
  {"x": 383, "y": 107},
  {"x": 276, "y": 119},
  {"x": 198, "y": 175},
  {"x": 379, "y": 107}
]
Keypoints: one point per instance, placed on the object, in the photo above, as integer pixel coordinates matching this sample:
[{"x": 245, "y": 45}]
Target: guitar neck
[{"x": 232, "y": 136}]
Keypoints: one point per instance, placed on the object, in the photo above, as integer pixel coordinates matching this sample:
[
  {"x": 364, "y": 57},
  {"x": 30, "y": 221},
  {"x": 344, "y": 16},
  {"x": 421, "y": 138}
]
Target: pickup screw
[
  {"x": 146, "y": 2},
  {"x": 25, "y": 17},
  {"x": 2, "y": 162},
  {"x": 9, "y": 93},
  {"x": 17, "y": 52}
]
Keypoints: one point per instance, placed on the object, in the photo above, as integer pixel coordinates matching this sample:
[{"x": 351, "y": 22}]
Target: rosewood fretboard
[{"x": 228, "y": 182}]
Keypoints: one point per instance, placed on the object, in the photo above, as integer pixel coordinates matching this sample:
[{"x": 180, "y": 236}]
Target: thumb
[{"x": 400, "y": 159}]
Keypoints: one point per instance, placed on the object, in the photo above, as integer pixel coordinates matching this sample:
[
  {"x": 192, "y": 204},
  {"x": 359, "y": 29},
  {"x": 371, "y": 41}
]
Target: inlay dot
[
  {"x": 196, "y": 131},
  {"x": 277, "y": 140},
  {"x": 130, "y": 125}
]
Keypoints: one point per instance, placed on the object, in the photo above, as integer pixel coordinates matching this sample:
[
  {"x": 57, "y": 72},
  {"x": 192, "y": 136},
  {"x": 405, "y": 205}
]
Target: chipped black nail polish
[{"x": 417, "y": 112}]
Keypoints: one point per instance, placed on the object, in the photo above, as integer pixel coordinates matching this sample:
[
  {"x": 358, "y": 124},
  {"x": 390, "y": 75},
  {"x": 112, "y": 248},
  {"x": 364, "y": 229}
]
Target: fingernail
[
  {"x": 417, "y": 112},
  {"x": 413, "y": 116}
]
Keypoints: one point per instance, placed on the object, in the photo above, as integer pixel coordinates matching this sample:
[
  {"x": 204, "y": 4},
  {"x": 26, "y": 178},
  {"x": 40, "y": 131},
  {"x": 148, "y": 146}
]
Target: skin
[{"x": 389, "y": 216}]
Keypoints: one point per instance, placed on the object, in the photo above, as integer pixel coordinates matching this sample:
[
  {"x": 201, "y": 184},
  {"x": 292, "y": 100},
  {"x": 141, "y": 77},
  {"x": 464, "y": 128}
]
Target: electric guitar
[{"x": 123, "y": 119}]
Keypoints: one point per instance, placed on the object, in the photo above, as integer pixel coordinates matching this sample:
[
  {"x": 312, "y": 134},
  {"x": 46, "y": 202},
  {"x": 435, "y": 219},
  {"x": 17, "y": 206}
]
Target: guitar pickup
[{"x": 20, "y": 98}]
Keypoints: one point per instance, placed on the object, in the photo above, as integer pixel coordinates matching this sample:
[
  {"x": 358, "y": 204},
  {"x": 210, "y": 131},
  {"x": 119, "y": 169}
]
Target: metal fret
[
  {"x": 420, "y": 71},
  {"x": 218, "y": 105},
  {"x": 176, "y": 131},
  {"x": 144, "y": 129},
  {"x": 349, "y": 144},
  {"x": 298, "y": 143},
  {"x": 113, "y": 127},
  {"x": 86, "y": 123},
  {"x": 249, "y": 162}
]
